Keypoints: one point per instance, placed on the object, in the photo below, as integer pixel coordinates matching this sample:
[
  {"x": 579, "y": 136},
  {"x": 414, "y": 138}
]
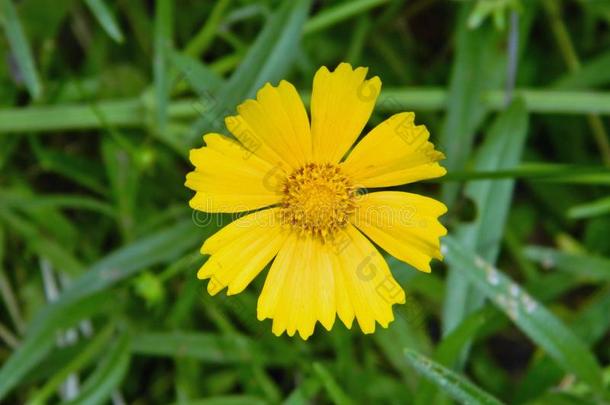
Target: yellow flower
[{"x": 310, "y": 208}]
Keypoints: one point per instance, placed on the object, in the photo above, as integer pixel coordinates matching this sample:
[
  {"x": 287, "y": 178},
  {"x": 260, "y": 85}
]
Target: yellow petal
[
  {"x": 403, "y": 224},
  {"x": 274, "y": 126},
  {"x": 300, "y": 288},
  {"x": 366, "y": 280},
  {"x": 395, "y": 152},
  {"x": 341, "y": 104},
  {"x": 229, "y": 178},
  {"x": 241, "y": 250}
]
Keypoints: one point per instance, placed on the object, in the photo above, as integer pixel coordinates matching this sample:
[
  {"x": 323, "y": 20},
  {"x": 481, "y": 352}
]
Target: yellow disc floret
[{"x": 318, "y": 199}]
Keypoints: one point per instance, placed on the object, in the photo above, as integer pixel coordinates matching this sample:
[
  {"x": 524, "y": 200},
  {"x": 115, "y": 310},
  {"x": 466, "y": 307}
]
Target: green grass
[{"x": 100, "y": 102}]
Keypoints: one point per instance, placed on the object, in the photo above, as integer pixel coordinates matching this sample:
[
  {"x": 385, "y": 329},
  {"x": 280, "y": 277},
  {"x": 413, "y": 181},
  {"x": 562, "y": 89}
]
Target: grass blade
[
  {"x": 267, "y": 60},
  {"x": 20, "y": 47},
  {"x": 38, "y": 343},
  {"x": 528, "y": 314},
  {"x": 163, "y": 38},
  {"x": 163, "y": 246},
  {"x": 593, "y": 268},
  {"x": 338, "y": 13},
  {"x": 452, "y": 383},
  {"x": 83, "y": 358},
  {"x": 335, "y": 392},
  {"x": 106, "y": 18},
  {"x": 590, "y": 209},
  {"x": 199, "y": 76},
  {"x": 200, "y": 42},
  {"x": 501, "y": 150},
  {"x": 107, "y": 377},
  {"x": 477, "y": 67}
]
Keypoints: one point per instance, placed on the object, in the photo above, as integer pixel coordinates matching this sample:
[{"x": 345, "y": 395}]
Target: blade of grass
[
  {"x": 38, "y": 343},
  {"x": 123, "y": 176},
  {"x": 207, "y": 347},
  {"x": 501, "y": 149},
  {"x": 562, "y": 37},
  {"x": 83, "y": 358},
  {"x": 594, "y": 268},
  {"x": 226, "y": 400},
  {"x": 107, "y": 377},
  {"x": 82, "y": 171},
  {"x": 106, "y": 18},
  {"x": 163, "y": 38},
  {"x": 476, "y": 68},
  {"x": 337, "y": 395},
  {"x": 304, "y": 393},
  {"x": 20, "y": 47},
  {"x": 46, "y": 247},
  {"x": 268, "y": 59},
  {"x": 338, "y": 13},
  {"x": 137, "y": 112},
  {"x": 165, "y": 245},
  {"x": 450, "y": 349},
  {"x": 537, "y": 171},
  {"x": 528, "y": 314},
  {"x": 61, "y": 201},
  {"x": 200, "y": 77},
  {"x": 593, "y": 73},
  {"x": 591, "y": 209},
  {"x": 202, "y": 40},
  {"x": 590, "y": 324},
  {"x": 458, "y": 387},
  {"x": 6, "y": 290}
]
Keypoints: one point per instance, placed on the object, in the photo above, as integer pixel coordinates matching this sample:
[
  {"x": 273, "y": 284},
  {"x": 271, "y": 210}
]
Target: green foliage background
[{"x": 101, "y": 100}]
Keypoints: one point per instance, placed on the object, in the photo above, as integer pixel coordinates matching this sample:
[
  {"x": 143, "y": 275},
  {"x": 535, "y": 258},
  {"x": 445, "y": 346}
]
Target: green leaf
[
  {"x": 83, "y": 358},
  {"x": 40, "y": 338},
  {"x": 450, "y": 349},
  {"x": 477, "y": 67},
  {"x": 593, "y": 73},
  {"x": 157, "y": 248},
  {"x": 44, "y": 246},
  {"x": 527, "y": 313},
  {"x": 331, "y": 386},
  {"x": 589, "y": 267},
  {"x": 123, "y": 176},
  {"x": 106, "y": 19},
  {"x": 108, "y": 375},
  {"x": 226, "y": 400},
  {"x": 63, "y": 201},
  {"x": 20, "y": 47},
  {"x": 590, "y": 325},
  {"x": 338, "y": 13},
  {"x": 205, "y": 347},
  {"x": 199, "y": 76},
  {"x": 452, "y": 383},
  {"x": 501, "y": 149},
  {"x": 79, "y": 169},
  {"x": 267, "y": 60},
  {"x": 305, "y": 393},
  {"x": 163, "y": 38},
  {"x": 200, "y": 42},
  {"x": 591, "y": 209}
]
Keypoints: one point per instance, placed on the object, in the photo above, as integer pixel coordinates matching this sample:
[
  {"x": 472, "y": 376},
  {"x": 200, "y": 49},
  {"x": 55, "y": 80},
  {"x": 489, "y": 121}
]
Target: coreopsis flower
[{"x": 310, "y": 210}]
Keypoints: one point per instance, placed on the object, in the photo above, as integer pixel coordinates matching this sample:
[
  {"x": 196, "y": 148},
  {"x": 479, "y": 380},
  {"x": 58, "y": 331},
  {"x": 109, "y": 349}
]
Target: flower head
[{"x": 309, "y": 208}]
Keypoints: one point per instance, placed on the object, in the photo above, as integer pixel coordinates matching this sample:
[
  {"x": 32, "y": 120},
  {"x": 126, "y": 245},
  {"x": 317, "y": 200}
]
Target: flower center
[{"x": 318, "y": 199}]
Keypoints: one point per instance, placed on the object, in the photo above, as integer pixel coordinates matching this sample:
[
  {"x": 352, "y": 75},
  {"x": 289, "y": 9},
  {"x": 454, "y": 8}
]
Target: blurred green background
[{"x": 101, "y": 100}]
